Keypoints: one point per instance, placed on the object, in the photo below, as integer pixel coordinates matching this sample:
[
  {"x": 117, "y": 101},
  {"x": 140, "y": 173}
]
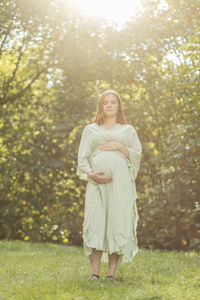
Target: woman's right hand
[{"x": 96, "y": 176}]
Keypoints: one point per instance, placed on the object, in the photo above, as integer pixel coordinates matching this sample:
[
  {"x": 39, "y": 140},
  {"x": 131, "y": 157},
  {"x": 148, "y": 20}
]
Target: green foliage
[{"x": 54, "y": 63}]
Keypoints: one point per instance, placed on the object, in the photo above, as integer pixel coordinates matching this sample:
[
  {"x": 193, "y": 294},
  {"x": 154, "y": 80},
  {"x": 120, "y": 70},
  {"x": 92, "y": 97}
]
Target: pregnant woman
[{"x": 109, "y": 158}]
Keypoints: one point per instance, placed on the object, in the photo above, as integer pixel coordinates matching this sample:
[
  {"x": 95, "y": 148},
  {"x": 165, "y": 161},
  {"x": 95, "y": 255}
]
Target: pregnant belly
[{"x": 109, "y": 162}]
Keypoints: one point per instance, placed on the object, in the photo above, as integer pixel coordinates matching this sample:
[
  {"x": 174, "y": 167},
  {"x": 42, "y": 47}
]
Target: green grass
[{"x": 48, "y": 271}]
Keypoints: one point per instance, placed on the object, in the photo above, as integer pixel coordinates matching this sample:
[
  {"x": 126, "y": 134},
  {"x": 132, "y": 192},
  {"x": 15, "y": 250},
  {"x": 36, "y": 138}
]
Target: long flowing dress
[{"x": 110, "y": 211}]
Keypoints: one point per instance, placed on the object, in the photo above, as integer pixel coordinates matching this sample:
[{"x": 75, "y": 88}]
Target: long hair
[{"x": 99, "y": 117}]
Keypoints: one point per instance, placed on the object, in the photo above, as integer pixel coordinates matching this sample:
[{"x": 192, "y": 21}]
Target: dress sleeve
[
  {"x": 83, "y": 154},
  {"x": 135, "y": 150}
]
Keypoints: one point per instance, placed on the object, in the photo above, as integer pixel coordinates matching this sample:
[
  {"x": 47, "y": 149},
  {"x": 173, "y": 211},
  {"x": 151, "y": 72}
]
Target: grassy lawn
[{"x": 47, "y": 271}]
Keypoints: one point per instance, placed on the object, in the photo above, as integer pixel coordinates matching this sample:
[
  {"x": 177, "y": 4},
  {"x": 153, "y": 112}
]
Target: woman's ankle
[
  {"x": 95, "y": 273},
  {"x": 110, "y": 274}
]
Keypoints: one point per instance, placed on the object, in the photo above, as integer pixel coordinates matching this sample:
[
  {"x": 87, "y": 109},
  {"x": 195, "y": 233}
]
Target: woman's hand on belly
[
  {"x": 96, "y": 176},
  {"x": 115, "y": 146},
  {"x": 111, "y": 145}
]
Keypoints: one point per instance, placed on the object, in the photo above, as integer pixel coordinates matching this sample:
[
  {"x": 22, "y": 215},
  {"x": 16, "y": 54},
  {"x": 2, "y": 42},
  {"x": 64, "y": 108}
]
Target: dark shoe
[
  {"x": 93, "y": 277},
  {"x": 110, "y": 277}
]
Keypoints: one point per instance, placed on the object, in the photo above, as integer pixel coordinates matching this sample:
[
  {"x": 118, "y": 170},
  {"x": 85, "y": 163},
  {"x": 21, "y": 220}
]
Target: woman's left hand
[{"x": 111, "y": 145}]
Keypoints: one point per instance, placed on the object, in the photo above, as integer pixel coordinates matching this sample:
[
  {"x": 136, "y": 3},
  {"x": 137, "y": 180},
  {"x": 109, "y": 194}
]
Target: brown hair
[{"x": 99, "y": 117}]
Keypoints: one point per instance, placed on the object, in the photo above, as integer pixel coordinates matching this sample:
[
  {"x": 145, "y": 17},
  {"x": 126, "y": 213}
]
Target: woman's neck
[{"x": 110, "y": 122}]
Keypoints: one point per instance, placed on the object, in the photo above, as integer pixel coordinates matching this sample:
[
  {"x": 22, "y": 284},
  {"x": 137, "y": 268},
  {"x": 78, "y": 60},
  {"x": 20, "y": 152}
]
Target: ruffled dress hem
[{"x": 123, "y": 244}]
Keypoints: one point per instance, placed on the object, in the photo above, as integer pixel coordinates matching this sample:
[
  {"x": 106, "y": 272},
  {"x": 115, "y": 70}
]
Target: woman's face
[{"x": 110, "y": 105}]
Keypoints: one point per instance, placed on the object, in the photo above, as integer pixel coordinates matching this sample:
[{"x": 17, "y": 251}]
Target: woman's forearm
[
  {"x": 124, "y": 150},
  {"x": 115, "y": 146}
]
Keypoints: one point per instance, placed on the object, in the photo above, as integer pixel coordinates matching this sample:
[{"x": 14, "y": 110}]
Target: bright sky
[{"x": 115, "y": 10}]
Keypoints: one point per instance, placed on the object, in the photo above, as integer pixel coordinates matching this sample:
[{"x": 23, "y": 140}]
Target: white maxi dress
[{"x": 110, "y": 211}]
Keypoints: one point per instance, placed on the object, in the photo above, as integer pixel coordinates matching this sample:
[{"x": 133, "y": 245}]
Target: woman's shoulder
[
  {"x": 90, "y": 127},
  {"x": 128, "y": 127},
  {"x": 92, "y": 124}
]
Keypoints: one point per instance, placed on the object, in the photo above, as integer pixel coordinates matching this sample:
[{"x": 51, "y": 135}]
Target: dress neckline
[{"x": 101, "y": 126}]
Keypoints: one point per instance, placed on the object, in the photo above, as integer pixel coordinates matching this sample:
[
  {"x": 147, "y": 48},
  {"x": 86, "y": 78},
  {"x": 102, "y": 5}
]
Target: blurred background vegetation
[{"x": 54, "y": 63}]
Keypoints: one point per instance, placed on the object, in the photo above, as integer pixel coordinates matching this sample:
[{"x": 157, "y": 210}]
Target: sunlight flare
[{"x": 117, "y": 11}]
